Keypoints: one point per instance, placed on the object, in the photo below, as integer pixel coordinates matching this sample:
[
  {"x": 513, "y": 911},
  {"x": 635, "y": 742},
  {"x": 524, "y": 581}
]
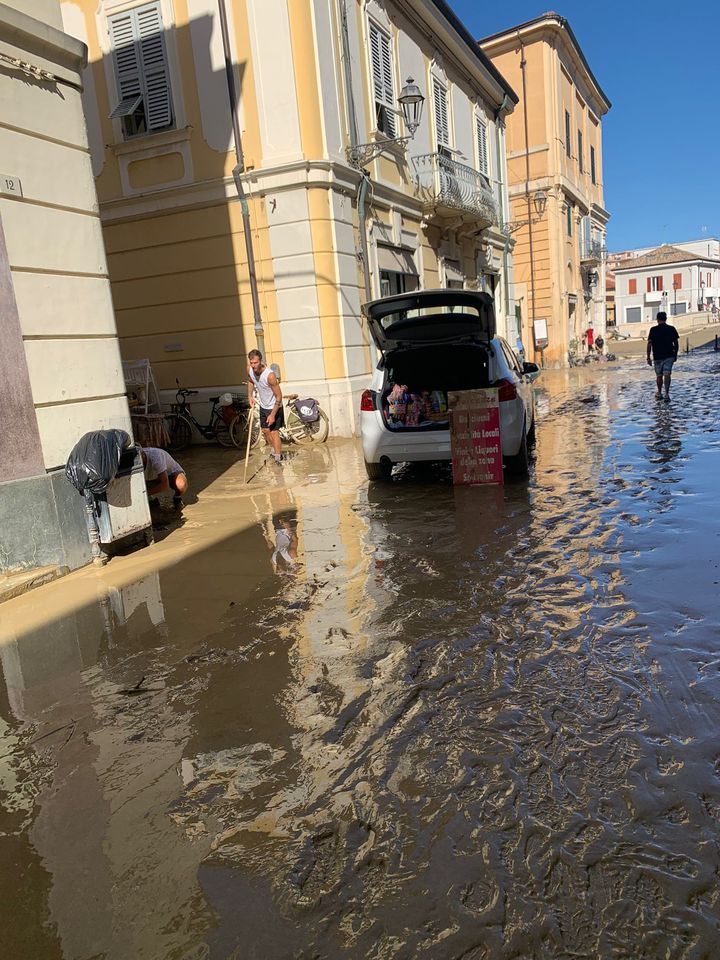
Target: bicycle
[
  {"x": 296, "y": 429},
  {"x": 181, "y": 421}
]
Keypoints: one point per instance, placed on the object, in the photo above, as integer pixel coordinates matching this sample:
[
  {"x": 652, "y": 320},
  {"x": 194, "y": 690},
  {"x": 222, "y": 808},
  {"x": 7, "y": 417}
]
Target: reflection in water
[{"x": 472, "y": 722}]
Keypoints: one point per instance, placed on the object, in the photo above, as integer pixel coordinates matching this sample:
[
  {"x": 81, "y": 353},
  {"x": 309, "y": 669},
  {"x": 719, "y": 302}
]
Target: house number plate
[{"x": 10, "y": 186}]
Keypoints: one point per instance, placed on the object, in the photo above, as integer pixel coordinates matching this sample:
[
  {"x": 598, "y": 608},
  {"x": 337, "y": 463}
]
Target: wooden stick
[{"x": 251, "y": 417}]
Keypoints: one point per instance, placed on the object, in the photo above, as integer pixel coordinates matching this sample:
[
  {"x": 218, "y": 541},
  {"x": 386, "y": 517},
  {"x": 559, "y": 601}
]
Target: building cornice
[
  {"x": 561, "y": 28},
  {"x": 53, "y": 51}
]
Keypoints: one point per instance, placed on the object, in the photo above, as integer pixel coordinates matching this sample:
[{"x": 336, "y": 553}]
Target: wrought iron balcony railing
[
  {"x": 591, "y": 251},
  {"x": 447, "y": 188}
]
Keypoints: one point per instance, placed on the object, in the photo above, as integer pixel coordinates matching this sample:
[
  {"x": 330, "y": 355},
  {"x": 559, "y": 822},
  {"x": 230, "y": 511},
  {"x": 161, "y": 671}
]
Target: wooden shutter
[
  {"x": 140, "y": 59},
  {"x": 127, "y": 62},
  {"x": 382, "y": 76},
  {"x": 649, "y": 285},
  {"x": 659, "y": 280},
  {"x": 632, "y": 285},
  {"x": 677, "y": 281},
  {"x": 481, "y": 131},
  {"x": 442, "y": 125}
]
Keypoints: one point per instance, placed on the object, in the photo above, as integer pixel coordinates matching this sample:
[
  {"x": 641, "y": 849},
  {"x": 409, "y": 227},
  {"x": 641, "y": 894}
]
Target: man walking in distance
[
  {"x": 663, "y": 342},
  {"x": 262, "y": 379}
]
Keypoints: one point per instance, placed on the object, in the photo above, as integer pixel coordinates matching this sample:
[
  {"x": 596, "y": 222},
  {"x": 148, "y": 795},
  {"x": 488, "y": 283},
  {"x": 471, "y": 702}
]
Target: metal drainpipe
[
  {"x": 523, "y": 65},
  {"x": 237, "y": 171},
  {"x": 364, "y": 184},
  {"x": 498, "y": 164}
]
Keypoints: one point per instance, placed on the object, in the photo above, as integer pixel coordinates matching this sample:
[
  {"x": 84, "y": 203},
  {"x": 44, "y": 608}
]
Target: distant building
[
  {"x": 554, "y": 142},
  {"x": 668, "y": 278},
  {"x": 60, "y": 369}
]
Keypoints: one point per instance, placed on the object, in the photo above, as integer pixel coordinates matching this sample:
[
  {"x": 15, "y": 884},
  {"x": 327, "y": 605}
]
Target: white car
[{"x": 433, "y": 341}]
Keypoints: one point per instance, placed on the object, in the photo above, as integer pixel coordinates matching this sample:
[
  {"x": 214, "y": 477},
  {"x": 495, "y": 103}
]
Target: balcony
[
  {"x": 448, "y": 188},
  {"x": 591, "y": 252}
]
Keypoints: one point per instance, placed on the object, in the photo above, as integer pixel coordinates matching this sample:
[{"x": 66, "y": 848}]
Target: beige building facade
[
  {"x": 312, "y": 81},
  {"x": 60, "y": 369},
  {"x": 554, "y": 145}
]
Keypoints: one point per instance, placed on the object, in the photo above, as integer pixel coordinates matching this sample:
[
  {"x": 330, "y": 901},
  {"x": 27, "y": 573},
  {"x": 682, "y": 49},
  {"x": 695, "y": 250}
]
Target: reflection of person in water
[{"x": 285, "y": 548}]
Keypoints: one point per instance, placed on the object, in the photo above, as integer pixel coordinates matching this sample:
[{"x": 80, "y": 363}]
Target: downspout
[
  {"x": 523, "y": 65},
  {"x": 237, "y": 171},
  {"x": 498, "y": 166},
  {"x": 364, "y": 184}
]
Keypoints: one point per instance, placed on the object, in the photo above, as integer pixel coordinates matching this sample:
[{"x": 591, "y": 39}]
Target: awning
[
  {"x": 452, "y": 270},
  {"x": 396, "y": 260}
]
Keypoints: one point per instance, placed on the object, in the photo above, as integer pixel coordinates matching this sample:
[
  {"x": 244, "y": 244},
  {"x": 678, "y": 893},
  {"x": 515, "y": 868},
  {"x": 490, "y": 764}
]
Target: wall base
[{"x": 42, "y": 524}]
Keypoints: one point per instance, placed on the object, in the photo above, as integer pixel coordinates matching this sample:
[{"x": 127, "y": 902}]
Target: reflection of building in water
[{"x": 101, "y": 827}]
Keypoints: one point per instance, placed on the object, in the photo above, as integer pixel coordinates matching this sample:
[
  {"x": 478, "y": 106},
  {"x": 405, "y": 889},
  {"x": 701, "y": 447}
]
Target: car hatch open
[{"x": 428, "y": 317}]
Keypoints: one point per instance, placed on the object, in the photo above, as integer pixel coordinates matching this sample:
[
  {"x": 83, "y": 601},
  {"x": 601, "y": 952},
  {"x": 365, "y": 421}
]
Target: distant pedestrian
[
  {"x": 162, "y": 474},
  {"x": 663, "y": 343},
  {"x": 589, "y": 336},
  {"x": 599, "y": 343},
  {"x": 262, "y": 379}
]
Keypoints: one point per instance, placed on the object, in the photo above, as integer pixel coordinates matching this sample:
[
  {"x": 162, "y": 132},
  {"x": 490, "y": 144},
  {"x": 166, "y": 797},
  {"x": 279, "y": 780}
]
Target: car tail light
[
  {"x": 367, "y": 401},
  {"x": 506, "y": 390}
]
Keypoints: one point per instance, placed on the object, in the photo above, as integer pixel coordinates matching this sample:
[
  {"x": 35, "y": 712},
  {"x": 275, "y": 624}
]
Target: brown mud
[{"x": 321, "y": 720}]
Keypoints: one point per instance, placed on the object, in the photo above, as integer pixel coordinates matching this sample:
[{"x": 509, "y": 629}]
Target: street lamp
[
  {"x": 539, "y": 200},
  {"x": 676, "y": 287},
  {"x": 701, "y": 304},
  {"x": 411, "y": 102}
]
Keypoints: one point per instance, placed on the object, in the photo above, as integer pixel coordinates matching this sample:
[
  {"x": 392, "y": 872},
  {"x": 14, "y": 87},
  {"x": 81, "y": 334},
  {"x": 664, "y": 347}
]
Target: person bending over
[
  {"x": 262, "y": 379},
  {"x": 163, "y": 473}
]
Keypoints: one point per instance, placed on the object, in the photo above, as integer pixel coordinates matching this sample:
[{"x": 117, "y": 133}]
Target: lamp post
[
  {"x": 675, "y": 290},
  {"x": 411, "y": 102},
  {"x": 539, "y": 201},
  {"x": 701, "y": 304}
]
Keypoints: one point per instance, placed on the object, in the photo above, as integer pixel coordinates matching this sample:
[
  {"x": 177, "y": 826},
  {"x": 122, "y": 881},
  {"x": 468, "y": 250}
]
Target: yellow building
[
  {"x": 309, "y": 84},
  {"x": 554, "y": 144}
]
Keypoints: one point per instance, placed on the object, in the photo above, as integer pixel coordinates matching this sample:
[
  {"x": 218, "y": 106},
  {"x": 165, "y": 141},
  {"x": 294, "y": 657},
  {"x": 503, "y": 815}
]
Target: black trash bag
[{"x": 94, "y": 460}]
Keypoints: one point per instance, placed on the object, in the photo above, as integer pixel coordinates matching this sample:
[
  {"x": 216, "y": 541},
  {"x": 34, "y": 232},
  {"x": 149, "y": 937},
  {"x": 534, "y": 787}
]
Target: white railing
[{"x": 444, "y": 183}]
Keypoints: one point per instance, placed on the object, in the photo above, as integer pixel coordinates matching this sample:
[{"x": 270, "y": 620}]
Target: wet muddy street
[{"x": 407, "y": 721}]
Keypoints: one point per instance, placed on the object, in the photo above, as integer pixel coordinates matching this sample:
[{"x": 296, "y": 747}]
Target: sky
[{"x": 658, "y": 65}]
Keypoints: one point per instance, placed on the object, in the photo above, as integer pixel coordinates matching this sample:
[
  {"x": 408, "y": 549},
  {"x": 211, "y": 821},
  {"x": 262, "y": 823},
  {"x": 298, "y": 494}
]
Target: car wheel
[
  {"x": 378, "y": 471},
  {"x": 531, "y": 437},
  {"x": 519, "y": 465}
]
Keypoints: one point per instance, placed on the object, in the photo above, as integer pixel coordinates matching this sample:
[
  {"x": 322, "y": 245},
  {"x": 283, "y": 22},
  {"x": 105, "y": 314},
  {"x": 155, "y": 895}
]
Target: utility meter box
[{"x": 123, "y": 509}]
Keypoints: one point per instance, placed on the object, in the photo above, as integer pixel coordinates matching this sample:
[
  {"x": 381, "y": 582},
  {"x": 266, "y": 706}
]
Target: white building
[
  {"x": 675, "y": 280},
  {"x": 60, "y": 370}
]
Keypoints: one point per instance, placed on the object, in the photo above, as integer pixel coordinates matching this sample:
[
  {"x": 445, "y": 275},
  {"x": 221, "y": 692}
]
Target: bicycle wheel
[
  {"x": 254, "y": 418},
  {"x": 180, "y": 432},
  {"x": 223, "y": 432},
  {"x": 302, "y": 432},
  {"x": 236, "y": 432}
]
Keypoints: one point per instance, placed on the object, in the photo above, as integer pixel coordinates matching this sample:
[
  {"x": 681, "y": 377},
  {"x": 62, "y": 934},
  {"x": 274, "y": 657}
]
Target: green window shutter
[
  {"x": 138, "y": 43},
  {"x": 382, "y": 79}
]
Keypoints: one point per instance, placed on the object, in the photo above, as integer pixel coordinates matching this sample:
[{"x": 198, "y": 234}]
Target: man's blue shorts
[{"x": 664, "y": 366}]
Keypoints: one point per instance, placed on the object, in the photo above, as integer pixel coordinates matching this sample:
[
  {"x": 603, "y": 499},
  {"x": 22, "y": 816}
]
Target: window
[
  {"x": 568, "y": 219},
  {"x": 654, "y": 284},
  {"x": 141, "y": 69},
  {"x": 592, "y": 164},
  {"x": 580, "y": 151},
  {"x": 677, "y": 281},
  {"x": 632, "y": 286},
  {"x": 481, "y": 134},
  {"x": 633, "y": 314},
  {"x": 567, "y": 134},
  {"x": 708, "y": 282},
  {"x": 442, "y": 123},
  {"x": 382, "y": 78}
]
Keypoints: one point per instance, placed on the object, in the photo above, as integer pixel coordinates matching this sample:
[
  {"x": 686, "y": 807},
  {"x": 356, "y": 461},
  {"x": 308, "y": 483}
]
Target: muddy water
[{"x": 399, "y": 722}]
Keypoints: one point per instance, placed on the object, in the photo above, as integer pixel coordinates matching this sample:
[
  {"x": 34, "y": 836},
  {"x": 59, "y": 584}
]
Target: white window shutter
[
  {"x": 122, "y": 35},
  {"x": 154, "y": 63},
  {"x": 382, "y": 75},
  {"x": 139, "y": 46},
  {"x": 481, "y": 128},
  {"x": 442, "y": 127}
]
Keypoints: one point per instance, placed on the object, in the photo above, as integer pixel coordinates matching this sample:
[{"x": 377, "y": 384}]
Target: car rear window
[{"x": 436, "y": 313}]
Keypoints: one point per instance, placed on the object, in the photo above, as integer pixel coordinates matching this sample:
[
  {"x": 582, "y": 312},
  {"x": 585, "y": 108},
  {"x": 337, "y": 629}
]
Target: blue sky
[{"x": 658, "y": 66}]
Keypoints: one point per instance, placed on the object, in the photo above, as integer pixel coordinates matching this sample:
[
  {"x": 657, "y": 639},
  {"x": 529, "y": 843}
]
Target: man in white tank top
[{"x": 262, "y": 379}]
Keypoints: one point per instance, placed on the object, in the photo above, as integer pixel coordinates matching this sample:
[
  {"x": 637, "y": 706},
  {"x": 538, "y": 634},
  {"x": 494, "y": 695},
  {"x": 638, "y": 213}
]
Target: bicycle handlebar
[{"x": 184, "y": 392}]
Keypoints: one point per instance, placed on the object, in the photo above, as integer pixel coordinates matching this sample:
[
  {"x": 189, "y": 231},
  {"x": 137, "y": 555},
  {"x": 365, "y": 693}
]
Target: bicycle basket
[{"x": 307, "y": 410}]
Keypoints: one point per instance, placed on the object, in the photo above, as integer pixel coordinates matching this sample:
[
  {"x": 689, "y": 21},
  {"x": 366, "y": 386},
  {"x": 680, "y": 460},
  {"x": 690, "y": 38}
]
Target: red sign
[{"x": 475, "y": 437}]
